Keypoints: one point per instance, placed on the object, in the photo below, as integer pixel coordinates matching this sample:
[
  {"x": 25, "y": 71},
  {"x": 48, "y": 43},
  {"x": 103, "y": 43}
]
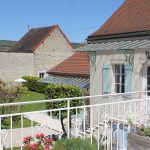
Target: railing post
[
  {"x": 91, "y": 124},
  {"x": 68, "y": 111},
  {"x": 146, "y": 103},
  {"x": 11, "y": 136}
]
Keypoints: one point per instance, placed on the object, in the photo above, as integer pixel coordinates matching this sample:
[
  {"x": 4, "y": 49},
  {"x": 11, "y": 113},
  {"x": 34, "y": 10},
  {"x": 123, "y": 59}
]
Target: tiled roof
[
  {"x": 33, "y": 38},
  {"x": 77, "y": 64},
  {"x": 132, "y": 16}
]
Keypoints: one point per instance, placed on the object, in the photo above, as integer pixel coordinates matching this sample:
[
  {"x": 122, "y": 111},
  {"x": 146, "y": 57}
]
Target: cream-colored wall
[
  {"x": 15, "y": 65},
  {"x": 53, "y": 51},
  {"x": 116, "y": 57}
]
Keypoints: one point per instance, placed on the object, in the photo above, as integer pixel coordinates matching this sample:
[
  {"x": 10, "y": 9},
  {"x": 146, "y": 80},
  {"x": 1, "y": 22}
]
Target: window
[
  {"x": 41, "y": 74},
  {"x": 119, "y": 78}
]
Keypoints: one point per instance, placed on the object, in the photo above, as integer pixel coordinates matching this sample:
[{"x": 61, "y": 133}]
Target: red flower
[
  {"x": 34, "y": 145},
  {"x": 25, "y": 139},
  {"x": 42, "y": 135},
  {"x": 37, "y": 136},
  {"x": 46, "y": 147},
  {"x": 41, "y": 141},
  {"x": 47, "y": 140}
]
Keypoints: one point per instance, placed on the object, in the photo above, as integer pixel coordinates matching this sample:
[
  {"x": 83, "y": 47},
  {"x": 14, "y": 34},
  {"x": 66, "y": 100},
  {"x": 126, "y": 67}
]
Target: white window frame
[{"x": 120, "y": 80}]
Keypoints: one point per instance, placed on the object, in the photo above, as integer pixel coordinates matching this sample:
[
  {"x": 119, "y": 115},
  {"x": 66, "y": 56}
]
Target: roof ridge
[
  {"x": 42, "y": 27},
  {"x": 131, "y": 16}
]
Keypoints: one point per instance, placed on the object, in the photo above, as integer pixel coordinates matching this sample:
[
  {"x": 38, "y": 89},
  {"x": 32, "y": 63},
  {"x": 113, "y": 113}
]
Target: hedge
[
  {"x": 33, "y": 85},
  {"x": 55, "y": 91}
]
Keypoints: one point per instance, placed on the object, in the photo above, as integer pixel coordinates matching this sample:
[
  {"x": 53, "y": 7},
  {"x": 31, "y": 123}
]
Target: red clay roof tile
[
  {"x": 132, "y": 16},
  {"x": 77, "y": 64}
]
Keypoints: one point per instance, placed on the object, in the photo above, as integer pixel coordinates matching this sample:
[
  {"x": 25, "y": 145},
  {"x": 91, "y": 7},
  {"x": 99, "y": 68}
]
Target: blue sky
[{"x": 77, "y": 18}]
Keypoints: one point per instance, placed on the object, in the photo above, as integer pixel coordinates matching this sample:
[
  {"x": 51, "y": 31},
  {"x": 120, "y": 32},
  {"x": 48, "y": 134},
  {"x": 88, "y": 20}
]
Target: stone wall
[
  {"x": 15, "y": 65},
  {"x": 51, "y": 52}
]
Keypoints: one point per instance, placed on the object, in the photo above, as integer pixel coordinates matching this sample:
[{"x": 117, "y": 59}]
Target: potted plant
[{"x": 139, "y": 140}]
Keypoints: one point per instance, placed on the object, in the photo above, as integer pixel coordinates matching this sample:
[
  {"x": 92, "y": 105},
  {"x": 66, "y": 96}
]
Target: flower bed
[{"x": 39, "y": 142}]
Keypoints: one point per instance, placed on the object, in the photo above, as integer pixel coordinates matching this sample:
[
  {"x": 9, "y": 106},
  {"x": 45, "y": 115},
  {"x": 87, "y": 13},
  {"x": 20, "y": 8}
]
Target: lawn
[
  {"x": 30, "y": 96},
  {"x": 26, "y": 123}
]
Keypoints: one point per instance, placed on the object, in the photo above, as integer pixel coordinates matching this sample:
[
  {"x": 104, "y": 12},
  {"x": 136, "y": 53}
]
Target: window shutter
[
  {"x": 128, "y": 78},
  {"x": 106, "y": 79}
]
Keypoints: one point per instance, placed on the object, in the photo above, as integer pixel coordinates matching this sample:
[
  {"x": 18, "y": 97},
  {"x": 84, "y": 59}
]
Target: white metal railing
[{"x": 108, "y": 122}]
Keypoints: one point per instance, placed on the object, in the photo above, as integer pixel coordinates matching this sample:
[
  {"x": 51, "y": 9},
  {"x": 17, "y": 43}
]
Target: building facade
[
  {"x": 37, "y": 51},
  {"x": 120, "y": 51}
]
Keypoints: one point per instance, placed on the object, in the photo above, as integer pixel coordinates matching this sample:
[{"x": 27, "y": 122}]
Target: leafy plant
[
  {"x": 33, "y": 85},
  {"x": 74, "y": 144},
  {"x": 144, "y": 131},
  {"x": 23, "y": 90},
  {"x": 9, "y": 94},
  {"x": 63, "y": 91}
]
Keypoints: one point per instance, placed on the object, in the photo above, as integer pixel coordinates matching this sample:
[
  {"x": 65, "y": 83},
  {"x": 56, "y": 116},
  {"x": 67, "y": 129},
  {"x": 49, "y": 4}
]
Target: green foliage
[
  {"x": 74, "y": 144},
  {"x": 63, "y": 91},
  {"x": 144, "y": 131},
  {"x": 23, "y": 90},
  {"x": 16, "y": 123},
  {"x": 147, "y": 131},
  {"x": 7, "y": 43},
  {"x": 77, "y": 45},
  {"x": 34, "y": 85}
]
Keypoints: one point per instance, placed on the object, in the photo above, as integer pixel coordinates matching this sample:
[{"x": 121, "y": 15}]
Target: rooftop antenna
[{"x": 28, "y": 26}]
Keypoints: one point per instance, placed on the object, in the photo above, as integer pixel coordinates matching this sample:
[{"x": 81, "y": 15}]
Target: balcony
[{"x": 108, "y": 119}]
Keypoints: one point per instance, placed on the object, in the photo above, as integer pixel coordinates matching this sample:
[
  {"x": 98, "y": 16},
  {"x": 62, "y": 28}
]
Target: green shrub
[
  {"x": 63, "y": 91},
  {"x": 74, "y": 144},
  {"x": 23, "y": 90},
  {"x": 55, "y": 91},
  {"x": 33, "y": 85},
  {"x": 144, "y": 131}
]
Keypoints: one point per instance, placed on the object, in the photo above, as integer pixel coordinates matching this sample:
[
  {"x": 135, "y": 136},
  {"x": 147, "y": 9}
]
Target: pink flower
[
  {"x": 42, "y": 135},
  {"x": 37, "y": 136},
  {"x": 47, "y": 140},
  {"x": 46, "y": 147},
  {"x": 39, "y": 141},
  {"x": 25, "y": 139},
  {"x": 34, "y": 145}
]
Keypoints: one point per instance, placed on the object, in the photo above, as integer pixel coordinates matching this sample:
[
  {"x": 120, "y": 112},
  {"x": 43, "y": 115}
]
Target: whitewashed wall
[{"x": 116, "y": 57}]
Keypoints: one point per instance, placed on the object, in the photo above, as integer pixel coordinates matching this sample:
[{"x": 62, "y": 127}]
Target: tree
[
  {"x": 63, "y": 91},
  {"x": 9, "y": 94}
]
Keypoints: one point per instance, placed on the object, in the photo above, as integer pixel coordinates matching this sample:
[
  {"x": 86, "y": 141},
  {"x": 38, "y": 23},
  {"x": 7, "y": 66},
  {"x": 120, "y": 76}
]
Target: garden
[{"x": 33, "y": 90}]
